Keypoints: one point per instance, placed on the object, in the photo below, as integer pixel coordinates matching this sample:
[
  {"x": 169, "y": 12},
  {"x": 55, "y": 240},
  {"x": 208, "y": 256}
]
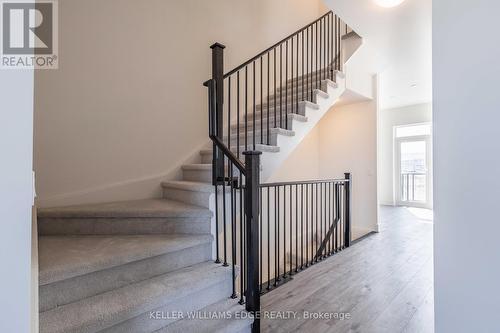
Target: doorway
[{"x": 413, "y": 165}]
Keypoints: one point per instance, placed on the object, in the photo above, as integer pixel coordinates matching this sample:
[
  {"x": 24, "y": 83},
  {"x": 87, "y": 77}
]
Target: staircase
[
  {"x": 127, "y": 266},
  {"x": 148, "y": 265}
]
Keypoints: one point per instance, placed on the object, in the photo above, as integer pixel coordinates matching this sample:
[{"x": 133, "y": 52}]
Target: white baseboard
[
  {"x": 358, "y": 232},
  {"x": 140, "y": 188}
]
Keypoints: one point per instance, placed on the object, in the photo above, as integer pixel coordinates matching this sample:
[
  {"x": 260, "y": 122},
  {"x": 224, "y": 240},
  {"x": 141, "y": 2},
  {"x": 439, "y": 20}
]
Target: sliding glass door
[{"x": 413, "y": 178}]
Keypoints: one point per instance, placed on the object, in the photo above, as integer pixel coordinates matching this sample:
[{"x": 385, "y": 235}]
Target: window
[{"x": 413, "y": 130}]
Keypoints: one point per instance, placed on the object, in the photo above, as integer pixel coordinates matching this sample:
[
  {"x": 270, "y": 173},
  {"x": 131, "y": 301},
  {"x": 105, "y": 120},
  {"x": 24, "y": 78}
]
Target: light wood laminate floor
[{"x": 384, "y": 282}]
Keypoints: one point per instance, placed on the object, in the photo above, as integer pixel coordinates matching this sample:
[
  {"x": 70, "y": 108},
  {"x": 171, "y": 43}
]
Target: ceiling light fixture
[{"x": 388, "y": 3}]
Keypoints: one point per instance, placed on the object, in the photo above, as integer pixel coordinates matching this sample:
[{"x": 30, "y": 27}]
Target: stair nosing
[
  {"x": 189, "y": 185},
  {"x": 106, "y": 210},
  {"x": 272, "y": 131},
  {"x": 173, "y": 243},
  {"x": 197, "y": 166}
]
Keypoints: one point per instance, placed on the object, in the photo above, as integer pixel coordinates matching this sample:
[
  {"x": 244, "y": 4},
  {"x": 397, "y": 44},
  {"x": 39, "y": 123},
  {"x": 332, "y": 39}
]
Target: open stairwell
[
  {"x": 126, "y": 266},
  {"x": 148, "y": 265},
  {"x": 300, "y": 122}
]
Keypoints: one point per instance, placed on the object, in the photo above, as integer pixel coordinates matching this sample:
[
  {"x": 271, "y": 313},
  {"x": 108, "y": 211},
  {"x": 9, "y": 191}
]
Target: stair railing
[
  {"x": 260, "y": 95},
  {"x": 242, "y": 182},
  {"x": 301, "y": 223},
  {"x": 246, "y": 106}
]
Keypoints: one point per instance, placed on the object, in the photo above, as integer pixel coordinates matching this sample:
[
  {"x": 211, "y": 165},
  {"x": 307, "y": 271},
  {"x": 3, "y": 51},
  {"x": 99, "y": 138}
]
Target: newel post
[
  {"x": 252, "y": 181},
  {"x": 348, "y": 187},
  {"x": 218, "y": 77}
]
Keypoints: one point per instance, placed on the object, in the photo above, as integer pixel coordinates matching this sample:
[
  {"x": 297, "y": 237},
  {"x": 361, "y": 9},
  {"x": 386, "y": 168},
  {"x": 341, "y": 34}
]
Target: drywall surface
[
  {"x": 303, "y": 162},
  {"x": 420, "y": 113},
  {"x": 466, "y": 159},
  {"x": 127, "y": 107},
  {"x": 345, "y": 140},
  {"x": 16, "y": 198},
  {"x": 348, "y": 143}
]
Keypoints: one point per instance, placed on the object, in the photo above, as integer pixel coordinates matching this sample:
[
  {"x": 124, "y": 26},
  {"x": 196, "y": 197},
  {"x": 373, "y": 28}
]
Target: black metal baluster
[
  {"x": 320, "y": 220},
  {"x": 261, "y": 101},
  {"x": 325, "y": 217},
  {"x": 337, "y": 55},
  {"x": 284, "y": 232},
  {"x": 275, "y": 233},
  {"x": 268, "y": 94},
  {"x": 281, "y": 86},
  {"x": 253, "y": 115},
  {"x": 307, "y": 63},
  {"x": 334, "y": 221},
  {"x": 302, "y": 226},
  {"x": 338, "y": 215},
  {"x": 332, "y": 247},
  {"x": 268, "y": 238},
  {"x": 242, "y": 273},
  {"x": 296, "y": 227},
  {"x": 297, "y": 77},
  {"x": 229, "y": 114},
  {"x": 315, "y": 222},
  {"x": 246, "y": 108},
  {"x": 313, "y": 58},
  {"x": 313, "y": 210},
  {"x": 217, "y": 258},
  {"x": 314, "y": 218},
  {"x": 325, "y": 48},
  {"x": 303, "y": 74},
  {"x": 224, "y": 210},
  {"x": 307, "y": 224},
  {"x": 278, "y": 237},
  {"x": 317, "y": 55},
  {"x": 261, "y": 233},
  {"x": 291, "y": 229},
  {"x": 286, "y": 84},
  {"x": 348, "y": 208},
  {"x": 233, "y": 232},
  {"x": 340, "y": 39},
  {"x": 238, "y": 114},
  {"x": 323, "y": 224},
  {"x": 335, "y": 217},
  {"x": 341, "y": 212},
  {"x": 329, "y": 38},
  {"x": 341, "y": 65},
  {"x": 320, "y": 48},
  {"x": 330, "y": 217},
  {"x": 293, "y": 83},
  {"x": 274, "y": 97},
  {"x": 326, "y": 220},
  {"x": 333, "y": 45}
]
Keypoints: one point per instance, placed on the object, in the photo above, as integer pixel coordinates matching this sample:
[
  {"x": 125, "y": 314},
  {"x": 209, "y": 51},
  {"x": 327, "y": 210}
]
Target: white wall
[
  {"x": 348, "y": 143},
  {"x": 466, "y": 114},
  {"x": 127, "y": 107},
  {"x": 389, "y": 118},
  {"x": 303, "y": 162},
  {"x": 16, "y": 197},
  {"x": 345, "y": 140}
]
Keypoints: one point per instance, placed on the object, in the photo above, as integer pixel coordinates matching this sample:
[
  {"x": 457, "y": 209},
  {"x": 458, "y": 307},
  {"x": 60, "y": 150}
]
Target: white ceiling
[{"x": 400, "y": 41}]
